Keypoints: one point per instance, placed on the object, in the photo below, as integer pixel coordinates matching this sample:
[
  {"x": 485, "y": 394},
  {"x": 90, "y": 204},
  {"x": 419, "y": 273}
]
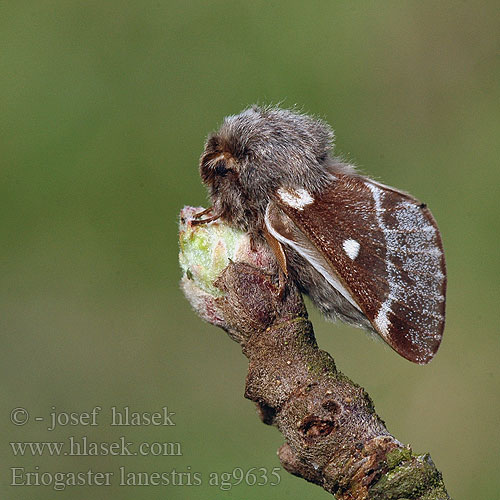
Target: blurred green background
[{"x": 104, "y": 110}]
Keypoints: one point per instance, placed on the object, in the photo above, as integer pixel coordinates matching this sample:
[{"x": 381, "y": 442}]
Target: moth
[{"x": 365, "y": 253}]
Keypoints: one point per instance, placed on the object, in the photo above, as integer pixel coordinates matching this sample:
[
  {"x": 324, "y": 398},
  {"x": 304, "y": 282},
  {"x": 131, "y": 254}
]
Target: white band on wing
[{"x": 312, "y": 256}]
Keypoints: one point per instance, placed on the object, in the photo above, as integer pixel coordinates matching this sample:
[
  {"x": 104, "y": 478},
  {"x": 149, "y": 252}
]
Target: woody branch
[{"x": 333, "y": 437}]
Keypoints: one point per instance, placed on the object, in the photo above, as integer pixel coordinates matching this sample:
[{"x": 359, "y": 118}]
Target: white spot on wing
[
  {"x": 351, "y": 248},
  {"x": 295, "y": 198}
]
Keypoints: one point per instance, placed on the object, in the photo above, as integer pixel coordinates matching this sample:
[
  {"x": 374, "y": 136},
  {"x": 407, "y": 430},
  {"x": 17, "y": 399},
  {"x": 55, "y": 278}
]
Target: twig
[{"x": 333, "y": 436}]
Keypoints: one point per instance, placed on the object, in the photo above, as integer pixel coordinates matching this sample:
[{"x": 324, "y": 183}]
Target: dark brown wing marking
[{"x": 384, "y": 248}]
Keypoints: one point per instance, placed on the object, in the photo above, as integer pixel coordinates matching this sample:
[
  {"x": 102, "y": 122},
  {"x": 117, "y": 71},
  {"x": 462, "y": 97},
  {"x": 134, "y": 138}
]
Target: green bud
[{"x": 205, "y": 251}]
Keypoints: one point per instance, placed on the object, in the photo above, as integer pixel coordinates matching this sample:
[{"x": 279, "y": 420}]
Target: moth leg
[
  {"x": 205, "y": 221},
  {"x": 253, "y": 245},
  {"x": 202, "y": 213},
  {"x": 281, "y": 283},
  {"x": 279, "y": 253}
]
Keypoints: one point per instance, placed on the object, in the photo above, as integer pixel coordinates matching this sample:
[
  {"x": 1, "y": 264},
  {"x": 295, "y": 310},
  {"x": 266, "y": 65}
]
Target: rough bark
[{"x": 333, "y": 436}]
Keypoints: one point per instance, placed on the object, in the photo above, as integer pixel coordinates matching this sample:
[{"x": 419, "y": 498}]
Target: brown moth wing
[{"x": 383, "y": 249}]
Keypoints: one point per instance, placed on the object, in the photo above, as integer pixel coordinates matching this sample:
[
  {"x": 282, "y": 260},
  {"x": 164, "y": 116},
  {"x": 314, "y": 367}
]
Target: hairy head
[{"x": 260, "y": 150}]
